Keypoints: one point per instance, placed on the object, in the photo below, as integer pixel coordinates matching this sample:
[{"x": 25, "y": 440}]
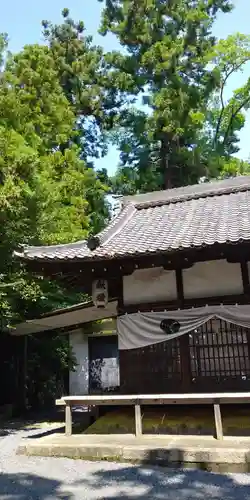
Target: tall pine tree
[{"x": 168, "y": 45}]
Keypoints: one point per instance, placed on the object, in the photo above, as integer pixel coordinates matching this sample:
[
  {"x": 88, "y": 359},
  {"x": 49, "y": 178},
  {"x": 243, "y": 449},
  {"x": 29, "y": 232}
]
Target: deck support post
[
  {"x": 218, "y": 421},
  {"x": 68, "y": 420},
  {"x": 97, "y": 412},
  {"x": 138, "y": 422}
]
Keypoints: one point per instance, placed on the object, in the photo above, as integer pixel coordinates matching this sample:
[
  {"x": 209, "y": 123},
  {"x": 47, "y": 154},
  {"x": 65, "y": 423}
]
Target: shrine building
[{"x": 174, "y": 268}]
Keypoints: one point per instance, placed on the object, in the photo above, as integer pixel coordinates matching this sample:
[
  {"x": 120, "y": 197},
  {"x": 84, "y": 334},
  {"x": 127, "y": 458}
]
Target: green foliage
[
  {"x": 167, "y": 46},
  {"x": 181, "y": 70},
  {"x": 32, "y": 101},
  {"x": 41, "y": 201},
  {"x": 53, "y": 369},
  {"x": 225, "y": 118},
  {"x": 63, "y": 101},
  {"x": 48, "y": 192},
  {"x": 87, "y": 83}
]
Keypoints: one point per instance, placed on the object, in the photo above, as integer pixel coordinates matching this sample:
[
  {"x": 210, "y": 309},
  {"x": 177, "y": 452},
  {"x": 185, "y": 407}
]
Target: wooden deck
[{"x": 215, "y": 399}]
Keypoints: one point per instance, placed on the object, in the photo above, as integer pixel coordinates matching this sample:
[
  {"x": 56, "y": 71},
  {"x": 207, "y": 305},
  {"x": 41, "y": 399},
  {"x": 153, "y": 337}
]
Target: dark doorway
[{"x": 103, "y": 364}]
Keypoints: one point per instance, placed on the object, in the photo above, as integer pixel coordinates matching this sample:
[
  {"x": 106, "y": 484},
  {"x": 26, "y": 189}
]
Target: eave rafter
[{"x": 82, "y": 271}]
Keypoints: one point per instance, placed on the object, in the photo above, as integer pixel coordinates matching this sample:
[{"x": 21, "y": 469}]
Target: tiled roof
[{"x": 173, "y": 220}]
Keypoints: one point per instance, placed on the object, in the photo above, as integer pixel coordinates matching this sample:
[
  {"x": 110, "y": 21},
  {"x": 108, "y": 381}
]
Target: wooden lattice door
[
  {"x": 153, "y": 369},
  {"x": 215, "y": 357},
  {"x": 219, "y": 357}
]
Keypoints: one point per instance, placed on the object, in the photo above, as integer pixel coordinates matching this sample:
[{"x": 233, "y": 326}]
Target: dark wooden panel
[{"x": 155, "y": 368}]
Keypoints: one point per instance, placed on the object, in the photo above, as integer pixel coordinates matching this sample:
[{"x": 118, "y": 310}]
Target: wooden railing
[{"x": 215, "y": 399}]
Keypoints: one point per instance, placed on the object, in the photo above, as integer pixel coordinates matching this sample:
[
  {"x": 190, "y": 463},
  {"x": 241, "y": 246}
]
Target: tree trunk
[{"x": 164, "y": 162}]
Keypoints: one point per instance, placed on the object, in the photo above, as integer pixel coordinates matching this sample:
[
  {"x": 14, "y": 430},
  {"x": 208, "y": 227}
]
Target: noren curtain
[{"x": 143, "y": 329}]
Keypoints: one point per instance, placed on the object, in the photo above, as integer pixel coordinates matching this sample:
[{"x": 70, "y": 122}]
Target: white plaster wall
[
  {"x": 211, "y": 278},
  {"x": 149, "y": 285},
  {"x": 79, "y": 379}
]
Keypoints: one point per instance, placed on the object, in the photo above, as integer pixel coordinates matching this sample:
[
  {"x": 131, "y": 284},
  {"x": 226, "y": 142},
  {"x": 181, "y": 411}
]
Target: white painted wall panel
[
  {"x": 212, "y": 278},
  {"x": 149, "y": 285}
]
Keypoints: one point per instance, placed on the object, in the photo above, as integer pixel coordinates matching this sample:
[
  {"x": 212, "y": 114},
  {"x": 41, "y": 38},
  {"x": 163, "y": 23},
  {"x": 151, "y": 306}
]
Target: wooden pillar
[
  {"x": 138, "y": 422},
  {"x": 68, "y": 420},
  {"x": 246, "y": 289},
  {"x": 21, "y": 372},
  {"x": 95, "y": 412},
  {"x": 245, "y": 277},
  {"x": 186, "y": 373},
  {"x": 25, "y": 370},
  {"x": 179, "y": 287},
  {"x": 218, "y": 421}
]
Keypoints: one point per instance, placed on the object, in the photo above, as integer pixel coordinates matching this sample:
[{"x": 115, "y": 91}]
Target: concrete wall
[{"x": 79, "y": 379}]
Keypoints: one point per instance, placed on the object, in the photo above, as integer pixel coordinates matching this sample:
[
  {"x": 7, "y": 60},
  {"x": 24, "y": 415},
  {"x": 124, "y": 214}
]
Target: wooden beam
[
  {"x": 156, "y": 399},
  {"x": 60, "y": 402},
  {"x": 188, "y": 303},
  {"x": 120, "y": 299},
  {"x": 245, "y": 276},
  {"x": 179, "y": 286}
]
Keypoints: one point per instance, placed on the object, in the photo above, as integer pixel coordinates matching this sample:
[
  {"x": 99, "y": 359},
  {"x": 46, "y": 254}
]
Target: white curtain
[{"x": 143, "y": 329}]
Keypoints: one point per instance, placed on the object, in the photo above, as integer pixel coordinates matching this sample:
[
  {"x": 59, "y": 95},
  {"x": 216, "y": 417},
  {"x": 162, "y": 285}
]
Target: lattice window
[
  {"x": 155, "y": 368},
  {"x": 215, "y": 357},
  {"x": 219, "y": 349}
]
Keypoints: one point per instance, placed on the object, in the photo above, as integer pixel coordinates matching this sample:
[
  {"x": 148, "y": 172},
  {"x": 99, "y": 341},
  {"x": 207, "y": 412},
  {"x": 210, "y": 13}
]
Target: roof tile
[{"x": 172, "y": 220}]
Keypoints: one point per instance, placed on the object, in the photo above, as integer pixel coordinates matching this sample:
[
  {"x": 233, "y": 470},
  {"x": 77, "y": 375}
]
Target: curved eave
[{"x": 217, "y": 245}]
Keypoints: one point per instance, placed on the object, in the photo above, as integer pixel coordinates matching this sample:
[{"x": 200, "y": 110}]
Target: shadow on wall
[{"x": 30, "y": 487}]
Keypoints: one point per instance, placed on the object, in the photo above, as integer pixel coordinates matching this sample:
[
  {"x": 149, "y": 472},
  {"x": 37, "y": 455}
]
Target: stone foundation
[{"x": 203, "y": 452}]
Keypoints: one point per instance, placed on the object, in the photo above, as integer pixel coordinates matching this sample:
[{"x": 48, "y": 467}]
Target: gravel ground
[{"x": 33, "y": 478}]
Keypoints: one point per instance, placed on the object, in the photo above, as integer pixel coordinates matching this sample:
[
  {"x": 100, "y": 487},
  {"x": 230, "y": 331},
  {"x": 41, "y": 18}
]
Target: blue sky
[{"x": 21, "y": 20}]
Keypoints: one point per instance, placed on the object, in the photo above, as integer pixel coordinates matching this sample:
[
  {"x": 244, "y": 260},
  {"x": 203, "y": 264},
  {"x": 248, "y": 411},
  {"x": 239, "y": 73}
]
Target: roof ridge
[
  {"x": 183, "y": 197},
  {"x": 113, "y": 228}
]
